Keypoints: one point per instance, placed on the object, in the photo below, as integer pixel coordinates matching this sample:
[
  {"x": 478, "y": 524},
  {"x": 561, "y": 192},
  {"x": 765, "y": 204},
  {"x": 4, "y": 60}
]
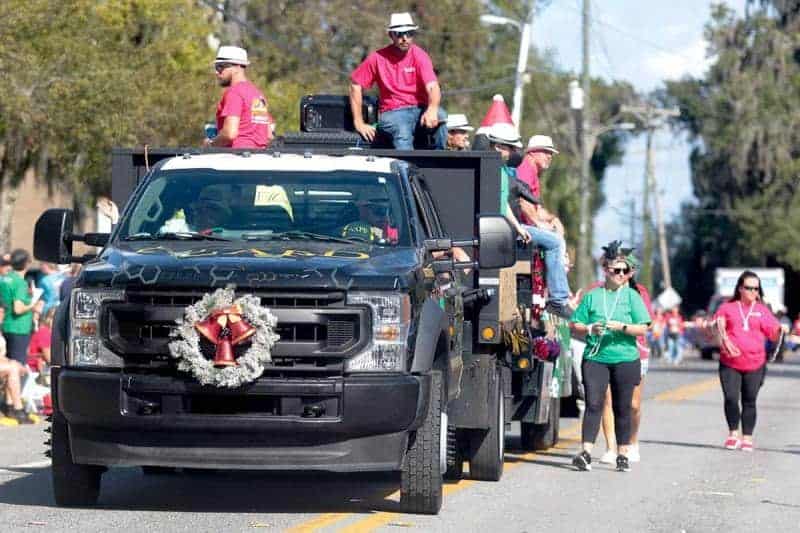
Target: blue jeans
[
  {"x": 674, "y": 348},
  {"x": 402, "y": 125},
  {"x": 553, "y": 245}
]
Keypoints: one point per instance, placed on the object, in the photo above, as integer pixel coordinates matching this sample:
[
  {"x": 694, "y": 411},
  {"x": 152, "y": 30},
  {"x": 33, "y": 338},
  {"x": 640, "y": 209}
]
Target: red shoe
[
  {"x": 732, "y": 443},
  {"x": 747, "y": 446}
]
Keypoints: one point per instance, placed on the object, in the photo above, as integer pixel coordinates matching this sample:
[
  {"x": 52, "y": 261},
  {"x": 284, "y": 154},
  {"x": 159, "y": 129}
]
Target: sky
[{"x": 643, "y": 42}]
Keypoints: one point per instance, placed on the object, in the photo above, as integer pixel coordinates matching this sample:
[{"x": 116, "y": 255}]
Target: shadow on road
[
  {"x": 219, "y": 492},
  {"x": 716, "y": 446}
]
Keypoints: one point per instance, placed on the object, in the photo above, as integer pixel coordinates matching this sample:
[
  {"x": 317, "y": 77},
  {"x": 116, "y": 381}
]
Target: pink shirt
[
  {"x": 761, "y": 326},
  {"x": 245, "y": 101},
  {"x": 401, "y": 77},
  {"x": 528, "y": 172}
]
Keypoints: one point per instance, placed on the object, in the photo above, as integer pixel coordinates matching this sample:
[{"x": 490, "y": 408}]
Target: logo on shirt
[{"x": 259, "y": 110}]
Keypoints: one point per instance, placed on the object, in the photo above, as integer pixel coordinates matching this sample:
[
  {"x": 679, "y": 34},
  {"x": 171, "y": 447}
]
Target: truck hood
[{"x": 284, "y": 265}]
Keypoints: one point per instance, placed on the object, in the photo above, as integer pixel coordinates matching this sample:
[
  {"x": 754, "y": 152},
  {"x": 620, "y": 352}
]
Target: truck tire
[
  {"x": 542, "y": 436},
  {"x": 455, "y": 457},
  {"x": 488, "y": 448},
  {"x": 74, "y": 485},
  {"x": 425, "y": 462}
]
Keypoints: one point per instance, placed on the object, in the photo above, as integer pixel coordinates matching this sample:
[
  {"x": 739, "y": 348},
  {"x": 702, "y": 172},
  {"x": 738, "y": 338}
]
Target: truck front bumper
[{"x": 351, "y": 424}]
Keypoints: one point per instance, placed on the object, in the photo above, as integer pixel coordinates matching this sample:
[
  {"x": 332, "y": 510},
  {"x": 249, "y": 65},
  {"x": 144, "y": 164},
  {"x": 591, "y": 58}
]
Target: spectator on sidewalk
[
  {"x": 5, "y": 268},
  {"x": 11, "y": 372},
  {"x": 39, "y": 347},
  {"x": 19, "y": 307},
  {"x": 674, "y": 330},
  {"x": 50, "y": 283}
]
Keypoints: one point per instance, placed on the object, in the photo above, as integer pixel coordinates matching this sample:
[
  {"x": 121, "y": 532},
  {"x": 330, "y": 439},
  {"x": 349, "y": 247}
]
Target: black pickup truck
[{"x": 390, "y": 353}]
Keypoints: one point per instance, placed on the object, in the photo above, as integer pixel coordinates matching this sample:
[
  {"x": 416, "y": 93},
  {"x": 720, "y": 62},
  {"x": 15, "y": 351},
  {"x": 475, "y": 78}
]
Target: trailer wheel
[
  {"x": 542, "y": 436},
  {"x": 488, "y": 447},
  {"x": 426, "y": 458},
  {"x": 74, "y": 485}
]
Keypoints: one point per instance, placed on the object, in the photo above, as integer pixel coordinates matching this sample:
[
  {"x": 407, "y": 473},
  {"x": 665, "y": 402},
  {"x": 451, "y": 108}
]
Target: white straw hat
[
  {"x": 458, "y": 121},
  {"x": 232, "y": 54},
  {"x": 401, "y": 22},
  {"x": 541, "y": 142},
  {"x": 502, "y": 133}
]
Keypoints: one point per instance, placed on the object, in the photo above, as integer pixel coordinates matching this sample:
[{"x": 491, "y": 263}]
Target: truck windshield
[{"x": 339, "y": 206}]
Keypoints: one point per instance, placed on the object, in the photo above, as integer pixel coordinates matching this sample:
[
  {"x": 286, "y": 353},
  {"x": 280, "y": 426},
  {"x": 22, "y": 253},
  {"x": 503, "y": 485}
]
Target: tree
[{"x": 743, "y": 119}]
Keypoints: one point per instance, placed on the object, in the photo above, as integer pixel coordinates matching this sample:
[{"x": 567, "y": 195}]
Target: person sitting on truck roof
[
  {"x": 505, "y": 139},
  {"x": 409, "y": 90},
  {"x": 458, "y": 130},
  {"x": 243, "y": 119}
]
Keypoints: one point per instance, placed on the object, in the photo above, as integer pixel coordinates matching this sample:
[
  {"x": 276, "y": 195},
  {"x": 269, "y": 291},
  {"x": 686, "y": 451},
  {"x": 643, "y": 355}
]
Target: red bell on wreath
[{"x": 225, "y": 328}]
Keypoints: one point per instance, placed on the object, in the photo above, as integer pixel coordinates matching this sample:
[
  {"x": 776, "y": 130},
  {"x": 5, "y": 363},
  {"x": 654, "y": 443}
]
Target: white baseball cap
[
  {"x": 541, "y": 142},
  {"x": 504, "y": 133},
  {"x": 458, "y": 121},
  {"x": 401, "y": 22},
  {"x": 232, "y": 54}
]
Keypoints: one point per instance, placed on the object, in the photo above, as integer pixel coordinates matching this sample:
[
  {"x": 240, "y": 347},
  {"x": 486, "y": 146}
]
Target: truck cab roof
[{"x": 277, "y": 161}]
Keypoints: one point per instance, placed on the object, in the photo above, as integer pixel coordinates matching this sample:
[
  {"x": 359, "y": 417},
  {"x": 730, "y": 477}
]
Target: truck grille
[{"x": 317, "y": 332}]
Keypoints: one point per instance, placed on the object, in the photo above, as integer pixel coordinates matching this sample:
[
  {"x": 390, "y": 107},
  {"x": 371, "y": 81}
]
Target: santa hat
[{"x": 498, "y": 114}]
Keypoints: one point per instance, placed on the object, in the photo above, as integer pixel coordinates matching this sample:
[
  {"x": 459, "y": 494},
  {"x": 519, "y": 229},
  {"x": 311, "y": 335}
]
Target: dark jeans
[
  {"x": 17, "y": 346},
  {"x": 623, "y": 378},
  {"x": 747, "y": 384}
]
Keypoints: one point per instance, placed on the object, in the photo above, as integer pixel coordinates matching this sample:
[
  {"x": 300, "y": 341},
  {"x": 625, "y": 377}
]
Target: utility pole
[
  {"x": 652, "y": 118},
  {"x": 584, "y": 252},
  {"x": 522, "y": 65}
]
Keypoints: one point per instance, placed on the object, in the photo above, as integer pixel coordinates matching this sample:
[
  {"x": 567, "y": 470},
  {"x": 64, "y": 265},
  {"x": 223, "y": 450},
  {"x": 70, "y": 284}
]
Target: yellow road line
[
  {"x": 569, "y": 436},
  {"x": 321, "y": 521},
  {"x": 688, "y": 391}
]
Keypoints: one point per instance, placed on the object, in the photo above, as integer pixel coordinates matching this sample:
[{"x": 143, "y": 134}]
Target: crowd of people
[{"x": 28, "y": 303}]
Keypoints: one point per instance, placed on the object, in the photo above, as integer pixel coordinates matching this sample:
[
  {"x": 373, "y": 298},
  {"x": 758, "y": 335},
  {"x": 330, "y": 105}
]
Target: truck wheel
[
  {"x": 73, "y": 484},
  {"x": 542, "y": 436},
  {"x": 426, "y": 459},
  {"x": 486, "y": 463}
]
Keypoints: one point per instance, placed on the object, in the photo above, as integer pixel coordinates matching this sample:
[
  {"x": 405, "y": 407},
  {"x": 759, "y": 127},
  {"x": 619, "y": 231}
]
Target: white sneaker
[
  {"x": 609, "y": 458},
  {"x": 633, "y": 453}
]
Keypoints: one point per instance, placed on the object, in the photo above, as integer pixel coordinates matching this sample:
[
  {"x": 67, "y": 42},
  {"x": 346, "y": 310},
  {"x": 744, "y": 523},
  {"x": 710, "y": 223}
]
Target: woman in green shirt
[{"x": 611, "y": 317}]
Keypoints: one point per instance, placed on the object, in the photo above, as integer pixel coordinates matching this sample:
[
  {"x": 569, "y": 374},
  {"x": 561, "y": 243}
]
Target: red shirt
[
  {"x": 528, "y": 172},
  {"x": 39, "y": 340},
  {"x": 401, "y": 77},
  {"x": 761, "y": 325},
  {"x": 641, "y": 341},
  {"x": 245, "y": 101}
]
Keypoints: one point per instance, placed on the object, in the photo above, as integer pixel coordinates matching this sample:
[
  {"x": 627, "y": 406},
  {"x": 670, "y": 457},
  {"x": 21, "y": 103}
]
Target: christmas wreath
[{"x": 228, "y": 325}]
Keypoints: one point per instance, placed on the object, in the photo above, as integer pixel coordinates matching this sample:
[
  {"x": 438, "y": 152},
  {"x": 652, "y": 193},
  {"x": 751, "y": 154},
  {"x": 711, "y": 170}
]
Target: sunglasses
[
  {"x": 400, "y": 34},
  {"x": 619, "y": 270},
  {"x": 219, "y": 67},
  {"x": 749, "y": 288}
]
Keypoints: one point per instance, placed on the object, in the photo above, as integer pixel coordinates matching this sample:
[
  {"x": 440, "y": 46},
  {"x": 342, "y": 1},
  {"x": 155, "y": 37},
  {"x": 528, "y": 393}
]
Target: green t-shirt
[
  {"x": 15, "y": 288},
  {"x": 601, "y": 305}
]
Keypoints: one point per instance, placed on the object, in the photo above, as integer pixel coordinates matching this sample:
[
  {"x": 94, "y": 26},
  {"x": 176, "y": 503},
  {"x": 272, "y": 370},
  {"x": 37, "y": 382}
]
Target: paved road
[{"x": 685, "y": 482}]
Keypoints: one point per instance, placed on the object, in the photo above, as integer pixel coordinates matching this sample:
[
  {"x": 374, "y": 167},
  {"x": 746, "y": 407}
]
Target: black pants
[
  {"x": 623, "y": 378},
  {"x": 747, "y": 384}
]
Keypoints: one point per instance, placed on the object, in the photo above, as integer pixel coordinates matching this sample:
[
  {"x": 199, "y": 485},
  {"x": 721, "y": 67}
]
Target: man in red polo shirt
[
  {"x": 408, "y": 87},
  {"x": 243, "y": 119}
]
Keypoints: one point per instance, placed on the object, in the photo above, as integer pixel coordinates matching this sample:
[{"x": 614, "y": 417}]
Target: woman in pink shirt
[{"x": 744, "y": 323}]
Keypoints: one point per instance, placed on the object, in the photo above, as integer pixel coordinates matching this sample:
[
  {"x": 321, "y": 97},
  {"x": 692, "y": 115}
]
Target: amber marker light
[{"x": 487, "y": 333}]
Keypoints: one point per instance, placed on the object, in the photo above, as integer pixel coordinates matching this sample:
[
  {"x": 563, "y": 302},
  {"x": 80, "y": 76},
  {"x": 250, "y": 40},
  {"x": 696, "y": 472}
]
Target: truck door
[{"x": 450, "y": 288}]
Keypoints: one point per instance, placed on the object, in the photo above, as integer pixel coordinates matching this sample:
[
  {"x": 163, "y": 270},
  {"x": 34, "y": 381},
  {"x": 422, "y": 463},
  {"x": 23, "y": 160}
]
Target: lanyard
[
  {"x": 746, "y": 318},
  {"x": 596, "y": 348}
]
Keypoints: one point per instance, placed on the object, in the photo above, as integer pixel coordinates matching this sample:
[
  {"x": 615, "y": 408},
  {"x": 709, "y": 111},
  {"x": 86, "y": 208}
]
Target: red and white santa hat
[{"x": 498, "y": 114}]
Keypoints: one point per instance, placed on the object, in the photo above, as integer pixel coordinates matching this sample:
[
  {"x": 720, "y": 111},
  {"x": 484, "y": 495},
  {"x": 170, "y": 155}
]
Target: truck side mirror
[
  {"x": 497, "y": 247},
  {"x": 51, "y": 236}
]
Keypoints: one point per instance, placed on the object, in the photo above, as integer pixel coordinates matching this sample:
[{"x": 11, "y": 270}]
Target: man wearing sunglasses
[
  {"x": 243, "y": 119},
  {"x": 408, "y": 87}
]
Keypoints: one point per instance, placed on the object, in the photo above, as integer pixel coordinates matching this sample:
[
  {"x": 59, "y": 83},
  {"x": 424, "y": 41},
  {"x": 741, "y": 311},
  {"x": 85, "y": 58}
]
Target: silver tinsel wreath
[{"x": 186, "y": 346}]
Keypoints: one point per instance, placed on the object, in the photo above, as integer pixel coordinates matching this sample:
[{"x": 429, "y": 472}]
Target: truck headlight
[
  {"x": 387, "y": 350},
  {"x": 86, "y": 346}
]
